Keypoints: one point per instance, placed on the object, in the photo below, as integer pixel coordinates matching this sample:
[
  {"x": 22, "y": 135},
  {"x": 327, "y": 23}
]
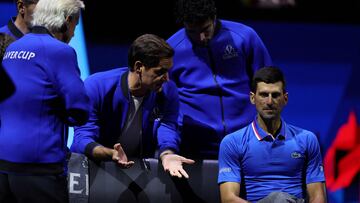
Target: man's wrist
[
  {"x": 102, "y": 153},
  {"x": 165, "y": 152}
]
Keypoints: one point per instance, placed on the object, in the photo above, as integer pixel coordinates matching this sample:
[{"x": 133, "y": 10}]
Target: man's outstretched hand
[
  {"x": 173, "y": 164},
  {"x": 120, "y": 157}
]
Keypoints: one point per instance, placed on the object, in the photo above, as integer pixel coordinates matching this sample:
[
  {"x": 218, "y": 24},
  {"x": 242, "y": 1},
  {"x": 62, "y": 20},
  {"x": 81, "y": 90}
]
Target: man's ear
[
  {"x": 65, "y": 27},
  {"x": 252, "y": 97},
  {"x": 138, "y": 67},
  {"x": 20, "y": 7},
  {"x": 286, "y": 97}
]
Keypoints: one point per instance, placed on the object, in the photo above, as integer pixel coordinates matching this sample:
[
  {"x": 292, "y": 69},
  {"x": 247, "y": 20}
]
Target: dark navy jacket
[
  {"x": 213, "y": 84},
  {"x": 49, "y": 96},
  {"x": 109, "y": 96}
]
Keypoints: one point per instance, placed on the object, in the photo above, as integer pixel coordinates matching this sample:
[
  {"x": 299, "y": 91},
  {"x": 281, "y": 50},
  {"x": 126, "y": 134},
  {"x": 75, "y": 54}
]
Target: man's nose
[
  {"x": 269, "y": 100},
  {"x": 202, "y": 37}
]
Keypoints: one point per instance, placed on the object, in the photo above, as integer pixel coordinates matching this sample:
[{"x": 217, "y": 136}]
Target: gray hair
[{"x": 52, "y": 14}]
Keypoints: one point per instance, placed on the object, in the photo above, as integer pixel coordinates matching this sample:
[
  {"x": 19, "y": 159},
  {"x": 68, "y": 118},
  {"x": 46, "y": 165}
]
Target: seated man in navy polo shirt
[{"x": 270, "y": 160}]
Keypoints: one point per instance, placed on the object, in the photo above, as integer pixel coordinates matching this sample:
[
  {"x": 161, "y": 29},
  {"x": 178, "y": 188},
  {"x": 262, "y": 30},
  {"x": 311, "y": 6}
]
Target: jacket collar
[
  {"x": 124, "y": 84},
  {"x": 13, "y": 29},
  {"x": 40, "y": 30}
]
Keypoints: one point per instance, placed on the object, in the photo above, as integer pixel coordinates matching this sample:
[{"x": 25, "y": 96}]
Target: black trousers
[{"x": 33, "y": 188}]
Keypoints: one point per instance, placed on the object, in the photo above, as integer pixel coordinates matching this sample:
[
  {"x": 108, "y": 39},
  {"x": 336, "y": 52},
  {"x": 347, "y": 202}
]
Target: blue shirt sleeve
[
  {"x": 229, "y": 160},
  {"x": 315, "y": 168}
]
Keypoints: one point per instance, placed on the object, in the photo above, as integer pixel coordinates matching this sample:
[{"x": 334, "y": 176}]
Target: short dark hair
[
  {"x": 268, "y": 74},
  {"x": 149, "y": 49},
  {"x": 28, "y": 2},
  {"x": 5, "y": 40},
  {"x": 193, "y": 11}
]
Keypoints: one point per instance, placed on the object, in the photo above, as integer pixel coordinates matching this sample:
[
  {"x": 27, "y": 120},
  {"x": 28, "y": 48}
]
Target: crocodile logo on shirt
[
  {"x": 296, "y": 155},
  {"x": 229, "y": 52}
]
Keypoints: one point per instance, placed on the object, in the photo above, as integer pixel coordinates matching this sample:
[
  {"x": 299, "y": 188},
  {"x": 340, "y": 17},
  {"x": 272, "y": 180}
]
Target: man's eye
[
  {"x": 263, "y": 95},
  {"x": 275, "y": 95}
]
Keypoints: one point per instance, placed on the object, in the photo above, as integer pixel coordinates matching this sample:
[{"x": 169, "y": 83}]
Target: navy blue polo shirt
[{"x": 266, "y": 164}]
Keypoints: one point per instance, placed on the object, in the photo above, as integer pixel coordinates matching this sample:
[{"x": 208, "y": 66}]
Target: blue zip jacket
[
  {"x": 49, "y": 96},
  {"x": 109, "y": 96},
  {"x": 213, "y": 84},
  {"x": 11, "y": 29}
]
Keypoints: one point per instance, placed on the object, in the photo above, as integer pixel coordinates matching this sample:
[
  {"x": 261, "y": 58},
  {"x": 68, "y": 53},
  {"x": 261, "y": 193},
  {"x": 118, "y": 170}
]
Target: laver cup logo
[{"x": 24, "y": 55}]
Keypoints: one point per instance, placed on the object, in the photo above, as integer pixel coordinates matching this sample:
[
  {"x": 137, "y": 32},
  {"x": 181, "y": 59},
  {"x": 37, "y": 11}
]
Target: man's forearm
[
  {"x": 317, "y": 199},
  {"x": 102, "y": 153}
]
